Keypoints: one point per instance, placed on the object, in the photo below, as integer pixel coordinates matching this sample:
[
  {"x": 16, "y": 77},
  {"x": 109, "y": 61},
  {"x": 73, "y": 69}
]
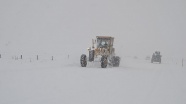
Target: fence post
[
  {"x": 21, "y": 57},
  {"x": 37, "y": 57},
  {"x": 182, "y": 62}
]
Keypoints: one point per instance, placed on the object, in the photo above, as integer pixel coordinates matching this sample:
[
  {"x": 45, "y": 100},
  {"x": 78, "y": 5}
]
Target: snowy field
[
  {"x": 136, "y": 81},
  {"x": 64, "y": 29}
]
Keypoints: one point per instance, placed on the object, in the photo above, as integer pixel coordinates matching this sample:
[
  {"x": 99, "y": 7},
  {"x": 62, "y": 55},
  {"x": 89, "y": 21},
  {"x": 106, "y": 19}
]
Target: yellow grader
[{"x": 103, "y": 52}]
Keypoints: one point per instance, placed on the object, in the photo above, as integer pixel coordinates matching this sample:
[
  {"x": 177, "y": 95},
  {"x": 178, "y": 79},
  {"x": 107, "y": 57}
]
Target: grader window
[{"x": 102, "y": 43}]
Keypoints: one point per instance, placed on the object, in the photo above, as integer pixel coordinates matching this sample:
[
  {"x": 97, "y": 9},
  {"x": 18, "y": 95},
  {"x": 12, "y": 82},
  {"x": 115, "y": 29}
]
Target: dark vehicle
[{"x": 156, "y": 57}]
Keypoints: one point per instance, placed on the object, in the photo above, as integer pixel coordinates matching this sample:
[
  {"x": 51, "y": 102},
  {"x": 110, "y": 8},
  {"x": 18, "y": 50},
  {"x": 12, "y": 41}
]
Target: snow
[
  {"x": 136, "y": 81},
  {"x": 64, "y": 29}
]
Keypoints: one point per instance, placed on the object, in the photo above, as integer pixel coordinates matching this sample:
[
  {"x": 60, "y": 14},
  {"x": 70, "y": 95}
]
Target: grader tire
[
  {"x": 115, "y": 61},
  {"x": 104, "y": 62},
  {"x": 83, "y": 60}
]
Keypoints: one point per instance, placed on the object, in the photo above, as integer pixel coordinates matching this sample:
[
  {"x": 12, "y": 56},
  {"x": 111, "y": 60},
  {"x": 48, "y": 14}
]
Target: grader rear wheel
[
  {"x": 104, "y": 61},
  {"x": 116, "y": 61},
  {"x": 83, "y": 60}
]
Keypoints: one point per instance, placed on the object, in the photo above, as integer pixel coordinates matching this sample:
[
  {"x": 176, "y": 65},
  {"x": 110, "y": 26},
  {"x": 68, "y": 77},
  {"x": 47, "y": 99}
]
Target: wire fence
[
  {"x": 34, "y": 57},
  {"x": 59, "y": 57}
]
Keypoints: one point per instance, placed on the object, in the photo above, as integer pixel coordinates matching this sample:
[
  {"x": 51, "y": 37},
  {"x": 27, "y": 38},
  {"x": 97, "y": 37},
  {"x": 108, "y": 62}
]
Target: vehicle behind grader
[{"x": 104, "y": 52}]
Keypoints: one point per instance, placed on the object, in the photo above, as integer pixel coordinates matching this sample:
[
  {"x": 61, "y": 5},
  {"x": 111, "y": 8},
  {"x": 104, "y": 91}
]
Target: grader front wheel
[{"x": 104, "y": 61}]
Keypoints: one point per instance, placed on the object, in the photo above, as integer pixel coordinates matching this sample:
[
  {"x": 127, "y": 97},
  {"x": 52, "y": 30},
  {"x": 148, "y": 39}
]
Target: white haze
[
  {"x": 65, "y": 28},
  {"x": 139, "y": 27}
]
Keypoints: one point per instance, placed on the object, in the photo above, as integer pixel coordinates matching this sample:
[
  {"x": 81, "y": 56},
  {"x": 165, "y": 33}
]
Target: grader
[{"x": 103, "y": 52}]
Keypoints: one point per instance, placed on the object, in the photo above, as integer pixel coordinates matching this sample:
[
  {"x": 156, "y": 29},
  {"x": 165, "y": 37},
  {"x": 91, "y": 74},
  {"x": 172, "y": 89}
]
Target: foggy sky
[{"x": 139, "y": 26}]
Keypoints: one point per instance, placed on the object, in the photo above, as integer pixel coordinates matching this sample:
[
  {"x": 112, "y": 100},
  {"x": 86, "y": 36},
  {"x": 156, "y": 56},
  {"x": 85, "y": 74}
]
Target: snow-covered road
[{"x": 134, "y": 82}]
